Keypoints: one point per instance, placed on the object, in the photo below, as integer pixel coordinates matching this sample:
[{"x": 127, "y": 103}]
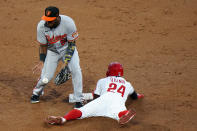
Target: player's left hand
[
  {"x": 54, "y": 120},
  {"x": 140, "y": 96},
  {"x": 63, "y": 76}
]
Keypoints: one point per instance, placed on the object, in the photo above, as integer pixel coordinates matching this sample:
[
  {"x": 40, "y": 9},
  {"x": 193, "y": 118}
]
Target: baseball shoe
[
  {"x": 79, "y": 104},
  {"x": 54, "y": 120},
  {"x": 127, "y": 117},
  {"x": 35, "y": 99}
]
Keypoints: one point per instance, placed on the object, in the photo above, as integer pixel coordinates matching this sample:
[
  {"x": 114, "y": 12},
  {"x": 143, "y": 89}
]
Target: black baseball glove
[{"x": 63, "y": 76}]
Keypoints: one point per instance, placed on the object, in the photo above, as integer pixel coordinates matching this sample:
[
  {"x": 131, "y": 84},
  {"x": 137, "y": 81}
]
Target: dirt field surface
[{"x": 155, "y": 40}]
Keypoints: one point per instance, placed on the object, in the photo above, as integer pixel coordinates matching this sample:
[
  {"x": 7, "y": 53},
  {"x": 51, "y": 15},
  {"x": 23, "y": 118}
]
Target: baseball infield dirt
[{"x": 155, "y": 40}]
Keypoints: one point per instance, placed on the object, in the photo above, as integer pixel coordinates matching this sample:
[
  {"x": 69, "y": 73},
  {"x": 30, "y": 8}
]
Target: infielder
[
  {"x": 113, "y": 91},
  {"x": 57, "y": 35}
]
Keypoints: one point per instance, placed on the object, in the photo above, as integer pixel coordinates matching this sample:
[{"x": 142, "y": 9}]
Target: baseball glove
[
  {"x": 63, "y": 76},
  {"x": 53, "y": 120}
]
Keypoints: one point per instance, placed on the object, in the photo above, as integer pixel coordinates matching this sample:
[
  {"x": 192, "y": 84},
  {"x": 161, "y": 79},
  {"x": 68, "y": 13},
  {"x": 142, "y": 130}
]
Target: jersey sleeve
[
  {"x": 72, "y": 32},
  {"x": 98, "y": 87},
  {"x": 131, "y": 89},
  {"x": 41, "y": 34}
]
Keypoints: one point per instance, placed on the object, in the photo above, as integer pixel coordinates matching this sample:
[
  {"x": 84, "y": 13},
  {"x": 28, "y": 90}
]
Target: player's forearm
[
  {"x": 43, "y": 49},
  {"x": 70, "y": 51},
  {"x": 42, "y": 52},
  {"x": 134, "y": 95}
]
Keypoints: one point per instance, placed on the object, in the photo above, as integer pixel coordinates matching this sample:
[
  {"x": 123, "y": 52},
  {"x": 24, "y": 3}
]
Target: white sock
[{"x": 63, "y": 120}]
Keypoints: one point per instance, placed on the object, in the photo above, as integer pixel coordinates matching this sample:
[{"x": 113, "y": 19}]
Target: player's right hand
[
  {"x": 140, "y": 96},
  {"x": 38, "y": 68}
]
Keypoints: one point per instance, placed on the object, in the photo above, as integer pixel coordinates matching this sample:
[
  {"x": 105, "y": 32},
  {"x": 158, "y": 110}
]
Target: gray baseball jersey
[
  {"x": 57, "y": 38},
  {"x": 57, "y": 41}
]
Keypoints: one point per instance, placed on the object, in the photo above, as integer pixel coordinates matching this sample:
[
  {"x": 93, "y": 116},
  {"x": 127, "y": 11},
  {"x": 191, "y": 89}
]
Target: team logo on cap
[{"x": 48, "y": 13}]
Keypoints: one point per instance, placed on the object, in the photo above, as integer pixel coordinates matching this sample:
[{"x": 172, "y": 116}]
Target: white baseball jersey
[
  {"x": 55, "y": 37},
  {"x": 113, "y": 93},
  {"x": 114, "y": 84}
]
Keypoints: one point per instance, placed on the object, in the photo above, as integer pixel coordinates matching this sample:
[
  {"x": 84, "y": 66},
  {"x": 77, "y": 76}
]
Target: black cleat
[
  {"x": 35, "y": 99},
  {"x": 78, "y": 104}
]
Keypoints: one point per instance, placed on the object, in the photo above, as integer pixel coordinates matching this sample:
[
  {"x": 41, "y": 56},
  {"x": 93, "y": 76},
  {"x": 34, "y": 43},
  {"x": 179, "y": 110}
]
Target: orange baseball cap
[{"x": 51, "y": 13}]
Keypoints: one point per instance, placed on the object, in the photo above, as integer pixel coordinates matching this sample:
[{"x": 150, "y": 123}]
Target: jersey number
[{"x": 113, "y": 87}]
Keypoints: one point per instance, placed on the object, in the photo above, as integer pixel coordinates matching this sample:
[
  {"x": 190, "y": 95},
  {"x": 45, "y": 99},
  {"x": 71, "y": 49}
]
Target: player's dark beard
[{"x": 56, "y": 23}]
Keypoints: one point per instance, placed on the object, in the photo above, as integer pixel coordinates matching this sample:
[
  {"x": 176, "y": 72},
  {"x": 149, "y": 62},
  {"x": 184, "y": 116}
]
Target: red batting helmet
[{"x": 115, "y": 69}]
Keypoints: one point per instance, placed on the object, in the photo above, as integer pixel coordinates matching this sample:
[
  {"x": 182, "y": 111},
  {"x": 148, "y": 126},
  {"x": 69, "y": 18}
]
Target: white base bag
[{"x": 86, "y": 96}]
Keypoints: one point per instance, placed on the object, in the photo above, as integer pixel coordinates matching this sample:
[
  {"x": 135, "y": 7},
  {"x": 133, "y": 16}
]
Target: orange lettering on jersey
[
  {"x": 75, "y": 34},
  {"x": 52, "y": 40}
]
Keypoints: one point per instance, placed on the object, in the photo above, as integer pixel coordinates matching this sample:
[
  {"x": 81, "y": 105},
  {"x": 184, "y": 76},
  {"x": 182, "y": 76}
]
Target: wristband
[{"x": 42, "y": 57}]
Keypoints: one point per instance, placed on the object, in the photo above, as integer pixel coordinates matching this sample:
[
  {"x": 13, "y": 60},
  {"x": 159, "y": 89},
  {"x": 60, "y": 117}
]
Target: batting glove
[
  {"x": 140, "y": 96},
  {"x": 67, "y": 59}
]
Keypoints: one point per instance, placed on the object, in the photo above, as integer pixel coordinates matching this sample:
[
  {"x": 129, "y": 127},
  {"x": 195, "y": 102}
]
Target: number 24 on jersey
[{"x": 113, "y": 87}]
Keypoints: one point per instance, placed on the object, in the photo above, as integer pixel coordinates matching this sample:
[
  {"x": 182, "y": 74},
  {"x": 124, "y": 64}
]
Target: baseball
[{"x": 45, "y": 80}]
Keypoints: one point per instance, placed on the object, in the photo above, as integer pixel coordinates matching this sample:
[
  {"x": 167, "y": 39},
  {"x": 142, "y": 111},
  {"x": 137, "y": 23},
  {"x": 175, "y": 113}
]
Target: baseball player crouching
[
  {"x": 57, "y": 36},
  {"x": 110, "y": 96}
]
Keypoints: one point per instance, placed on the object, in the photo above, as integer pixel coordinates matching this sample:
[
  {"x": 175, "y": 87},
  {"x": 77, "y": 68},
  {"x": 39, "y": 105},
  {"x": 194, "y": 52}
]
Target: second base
[{"x": 86, "y": 96}]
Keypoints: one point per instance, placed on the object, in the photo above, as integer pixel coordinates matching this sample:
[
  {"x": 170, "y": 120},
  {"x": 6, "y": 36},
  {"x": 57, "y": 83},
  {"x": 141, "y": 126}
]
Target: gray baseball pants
[{"x": 48, "y": 71}]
